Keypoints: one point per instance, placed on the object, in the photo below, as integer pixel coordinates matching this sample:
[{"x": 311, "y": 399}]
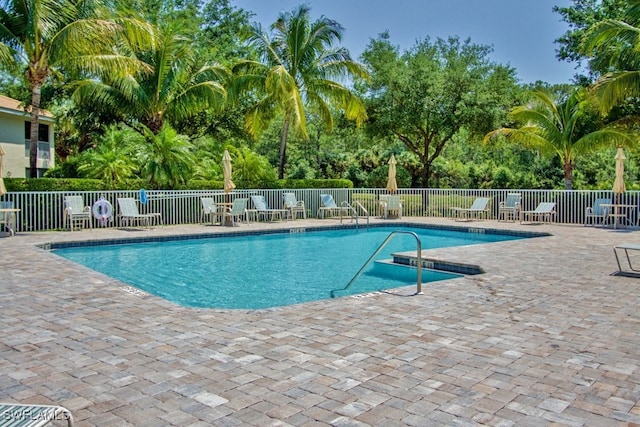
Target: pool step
[
  {"x": 407, "y": 273},
  {"x": 410, "y": 259}
]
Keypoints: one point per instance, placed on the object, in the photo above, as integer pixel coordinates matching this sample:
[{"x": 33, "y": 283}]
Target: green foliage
[
  {"x": 581, "y": 16},
  {"x": 165, "y": 159},
  {"x": 113, "y": 159},
  {"x": 174, "y": 84},
  {"x": 42, "y": 39},
  {"x": 563, "y": 128},
  {"x": 68, "y": 184},
  {"x": 299, "y": 70},
  {"x": 68, "y": 169},
  {"x": 446, "y": 88}
]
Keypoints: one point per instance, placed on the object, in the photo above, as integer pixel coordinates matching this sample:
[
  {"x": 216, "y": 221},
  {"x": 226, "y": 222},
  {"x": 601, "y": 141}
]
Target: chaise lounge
[
  {"x": 479, "y": 209},
  {"x": 542, "y": 213},
  {"x": 129, "y": 213}
]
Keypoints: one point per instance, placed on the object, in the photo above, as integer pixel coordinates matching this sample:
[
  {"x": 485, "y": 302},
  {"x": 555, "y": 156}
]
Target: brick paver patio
[{"x": 546, "y": 337}]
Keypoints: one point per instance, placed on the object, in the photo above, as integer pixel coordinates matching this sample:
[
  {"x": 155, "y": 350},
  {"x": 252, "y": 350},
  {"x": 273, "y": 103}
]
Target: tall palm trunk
[
  {"x": 283, "y": 145},
  {"x": 35, "y": 124},
  {"x": 568, "y": 176}
]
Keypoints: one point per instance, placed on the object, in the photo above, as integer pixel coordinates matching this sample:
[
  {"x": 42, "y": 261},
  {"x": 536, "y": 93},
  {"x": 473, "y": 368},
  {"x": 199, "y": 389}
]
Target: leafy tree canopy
[{"x": 427, "y": 95}]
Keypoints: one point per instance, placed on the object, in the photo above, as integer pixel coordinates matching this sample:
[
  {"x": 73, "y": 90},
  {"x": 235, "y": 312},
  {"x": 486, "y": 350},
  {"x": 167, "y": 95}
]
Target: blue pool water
[{"x": 269, "y": 270}]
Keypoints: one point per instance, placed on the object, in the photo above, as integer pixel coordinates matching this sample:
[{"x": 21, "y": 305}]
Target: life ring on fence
[
  {"x": 102, "y": 211},
  {"x": 143, "y": 196}
]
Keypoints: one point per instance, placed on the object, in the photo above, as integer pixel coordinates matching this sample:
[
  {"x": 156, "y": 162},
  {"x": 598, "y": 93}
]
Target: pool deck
[{"x": 547, "y": 336}]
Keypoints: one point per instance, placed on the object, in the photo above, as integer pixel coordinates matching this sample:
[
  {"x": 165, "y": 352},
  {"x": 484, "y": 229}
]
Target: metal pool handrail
[{"x": 377, "y": 251}]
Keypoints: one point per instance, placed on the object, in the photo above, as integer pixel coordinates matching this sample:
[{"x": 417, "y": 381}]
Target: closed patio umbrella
[
  {"x": 226, "y": 166},
  {"x": 3, "y": 189},
  {"x": 392, "y": 185},
  {"x": 618, "y": 184}
]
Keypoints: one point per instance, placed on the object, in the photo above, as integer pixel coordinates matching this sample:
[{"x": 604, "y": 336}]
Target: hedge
[{"x": 83, "y": 184}]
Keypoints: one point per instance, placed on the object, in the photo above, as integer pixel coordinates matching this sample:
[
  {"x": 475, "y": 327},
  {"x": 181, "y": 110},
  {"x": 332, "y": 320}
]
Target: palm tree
[
  {"x": 166, "y": 159},
  {"x": 112, "y": 160},
  {"x": 617, "y": 42},
  {"x": 298, "y": 68},
  {"x": 46, "y": 37},
  {"x": 559, "y": 128},
  {"x": 178, "y": 87}
]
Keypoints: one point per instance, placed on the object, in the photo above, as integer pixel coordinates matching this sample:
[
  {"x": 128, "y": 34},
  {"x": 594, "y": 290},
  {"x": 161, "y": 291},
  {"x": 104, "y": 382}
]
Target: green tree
[
  {"x": 580, "y": 17},
  {"x": 166, "y": 160},
  {"x": 113, "y": 159},
  {"x": 298, "y": 69},
  {"x": 432, "y": 92},
  {"x": 565, "y": 129},
  {"x": 178, "y": 86},
  {"x": 45, "y": 37},
  {"x": 616, "y": 43},
  {"x": 250, "y": 169}
]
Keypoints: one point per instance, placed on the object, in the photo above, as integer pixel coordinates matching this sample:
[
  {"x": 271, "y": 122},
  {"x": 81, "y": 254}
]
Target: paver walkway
[{"x": 546, "y": 337}]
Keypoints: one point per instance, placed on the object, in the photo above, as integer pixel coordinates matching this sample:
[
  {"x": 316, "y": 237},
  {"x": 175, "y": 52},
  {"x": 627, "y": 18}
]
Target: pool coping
[{"x": 290, "y": 230}]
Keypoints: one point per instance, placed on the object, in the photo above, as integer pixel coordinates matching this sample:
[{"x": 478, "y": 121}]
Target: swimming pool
[{"x": 256, "y": 271}]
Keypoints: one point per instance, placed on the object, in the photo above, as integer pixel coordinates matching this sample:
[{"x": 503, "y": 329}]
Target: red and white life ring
[{"x": 102, "y": 211}]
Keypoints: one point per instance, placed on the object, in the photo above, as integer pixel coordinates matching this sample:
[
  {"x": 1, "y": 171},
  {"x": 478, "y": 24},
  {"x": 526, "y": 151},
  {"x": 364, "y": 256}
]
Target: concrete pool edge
[{"x": 196, "y": 236}]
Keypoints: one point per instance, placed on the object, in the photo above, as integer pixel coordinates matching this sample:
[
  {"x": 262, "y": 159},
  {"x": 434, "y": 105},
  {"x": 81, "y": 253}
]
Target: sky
[{"x": 521, "y": 32}]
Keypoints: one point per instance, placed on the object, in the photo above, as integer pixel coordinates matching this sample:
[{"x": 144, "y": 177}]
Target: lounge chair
[
  {"x": 478, "y": 209},
  {"x": 129, "y": 213},
  {"x": 209, "y": 209},
  {"x": 237, "y": 209},
  {"x": 76, "y": 212},
  {"x": 510, "y": 208},
  {"x": 392, "y": 207},
  {"x": 19, "y": 415},
  {"x": 294, "y": 205},
  {"x": 328, "y": 206},
  {"x": 597, "y": 212},
  {"x": 543, "y": 213},
  {"x": 260, "y": 208}
]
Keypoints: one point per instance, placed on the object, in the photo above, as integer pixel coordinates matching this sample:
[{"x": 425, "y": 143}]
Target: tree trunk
[
  {"x": 35, "y": 124},
  {"x": 568, "y": 176},
  {"x": 283, "y": 145},
  {"x": 426, "y": 173}
]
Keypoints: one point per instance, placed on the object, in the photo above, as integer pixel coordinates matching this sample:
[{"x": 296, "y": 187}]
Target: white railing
[{"x": 41, "y": 211}]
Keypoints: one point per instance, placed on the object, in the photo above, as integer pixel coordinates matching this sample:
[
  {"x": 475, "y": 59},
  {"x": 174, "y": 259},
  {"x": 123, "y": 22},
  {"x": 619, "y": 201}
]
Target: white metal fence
[{"x": 41, "y": 211}]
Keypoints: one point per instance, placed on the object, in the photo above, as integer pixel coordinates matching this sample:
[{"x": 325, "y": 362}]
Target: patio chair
[
  {"x": 20, "y": 415},
  {"x": 510, "y": 207},
  {"x": 393, "y": 207},
  {"x": 237, "y": 209},
  {"x": 597, "y": 212},
  {"x": 76, "y": 212},
  {"x": 260, "y": 208},
  {"x": 209, "y": 209},
  {"x": 294, "y": 205},
  {"x": 328, "y": 206},
  {"x": 542, "y": 213},
  {"x": 382, "y": 204},
  {"x": 478, "y": 209},
  {"x": 129, "y": 213}
]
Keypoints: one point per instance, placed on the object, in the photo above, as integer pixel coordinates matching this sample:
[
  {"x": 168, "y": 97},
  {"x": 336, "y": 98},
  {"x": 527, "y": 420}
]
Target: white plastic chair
[
  {"x": 76, "y": 212},
  {"x": 294, "y": 205}
]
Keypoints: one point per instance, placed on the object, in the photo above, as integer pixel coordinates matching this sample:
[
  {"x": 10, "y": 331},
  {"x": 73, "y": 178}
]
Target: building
[{"x": 15, "y": 128}]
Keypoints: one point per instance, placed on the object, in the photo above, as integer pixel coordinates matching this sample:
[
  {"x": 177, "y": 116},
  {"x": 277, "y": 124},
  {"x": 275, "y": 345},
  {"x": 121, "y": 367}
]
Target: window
[{"x": 43, "y": 140}]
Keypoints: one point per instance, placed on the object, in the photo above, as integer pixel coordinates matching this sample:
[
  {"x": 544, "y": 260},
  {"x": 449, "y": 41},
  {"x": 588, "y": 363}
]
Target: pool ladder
[
  {"x": 354, "y": 211},
  {"x": 377, "y": 252}
]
